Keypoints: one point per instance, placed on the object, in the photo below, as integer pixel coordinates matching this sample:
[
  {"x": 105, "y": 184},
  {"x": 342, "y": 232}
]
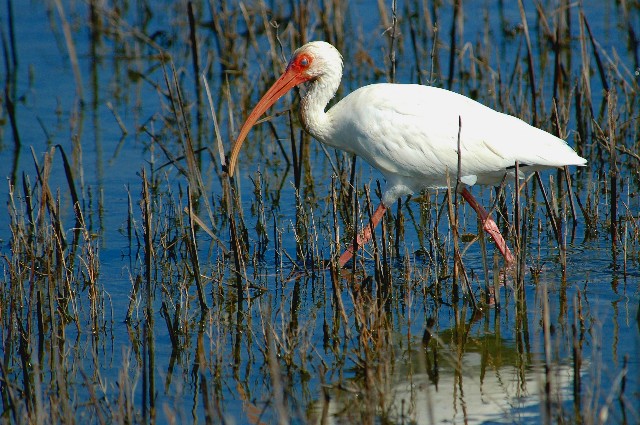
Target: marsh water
[{"x": 141, "y": 285}]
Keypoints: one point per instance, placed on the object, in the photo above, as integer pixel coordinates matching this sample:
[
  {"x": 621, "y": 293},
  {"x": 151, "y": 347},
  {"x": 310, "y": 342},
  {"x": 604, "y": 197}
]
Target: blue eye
[{"x": 304, "y": 62}]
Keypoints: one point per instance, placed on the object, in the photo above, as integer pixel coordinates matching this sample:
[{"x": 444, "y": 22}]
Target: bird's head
[
  {"x": 310, "y": 62},
  {"x": 315, "y": 59}
]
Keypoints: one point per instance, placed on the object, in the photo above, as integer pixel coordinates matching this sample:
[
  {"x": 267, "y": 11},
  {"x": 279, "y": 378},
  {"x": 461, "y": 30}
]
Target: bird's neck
[{"x": 312, "y": 107}]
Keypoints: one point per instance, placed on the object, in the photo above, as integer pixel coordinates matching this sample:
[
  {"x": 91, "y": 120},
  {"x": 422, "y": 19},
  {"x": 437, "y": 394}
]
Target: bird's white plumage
[{"x": 409, "y": 132}]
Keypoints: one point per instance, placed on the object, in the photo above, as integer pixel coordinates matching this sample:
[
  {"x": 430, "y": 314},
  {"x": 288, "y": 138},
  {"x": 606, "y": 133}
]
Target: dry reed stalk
[
  {"x": 596, "y": 55},
  {"x": 195, "y": 58},
  {"x": 193, "y": 170},
  {"x": 335, "y": 245},
  {"x": 10, "y": 86},
  {"x": 531, "y": 69},
  {"x": 399, "y": 228},
  {"x": 334, "y": 268},
  {"x": 192, "y": 247},
  {"x": 71, "y": 49},
  {"x": 613, "y": 166},
  {"x": 72, "y": 187},
  {"x": 456, "y": 25},
  {"x": 148, "y": 347},
  {"x": 237, "y": 247},
  {"x": 374, "y": 240},
  {"x": 413, "y": 33},
  {"x": 453, "y": 225},
  {"x": 551, "y": 213},
  {"x": 229, "y": 199},
  {"x": 392, "y": 42},
  {"x": 47, "y": 201},
  {"x": 519, "y": 242}
]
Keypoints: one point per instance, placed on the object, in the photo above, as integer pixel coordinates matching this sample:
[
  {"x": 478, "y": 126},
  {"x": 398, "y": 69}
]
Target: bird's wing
[{"x": 412, "y": 131}]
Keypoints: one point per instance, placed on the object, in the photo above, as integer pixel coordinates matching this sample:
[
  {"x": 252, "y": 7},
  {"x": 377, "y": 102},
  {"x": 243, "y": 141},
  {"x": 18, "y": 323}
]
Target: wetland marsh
[{"x": 141, "y": 285}]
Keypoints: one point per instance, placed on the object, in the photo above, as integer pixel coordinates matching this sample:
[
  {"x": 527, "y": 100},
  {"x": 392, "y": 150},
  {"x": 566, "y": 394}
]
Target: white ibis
[{"x": 409, "y": 132}]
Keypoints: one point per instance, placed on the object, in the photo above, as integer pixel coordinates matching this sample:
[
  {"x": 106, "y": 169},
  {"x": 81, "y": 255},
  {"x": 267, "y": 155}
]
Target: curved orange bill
[{"x": 291, "y": 78}]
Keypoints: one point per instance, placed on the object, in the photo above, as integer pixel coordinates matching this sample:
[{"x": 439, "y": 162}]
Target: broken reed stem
[
  {"x": 596, "y": 55},
  {"x": 216, "y": 127},
  {"x": 193, "y": 251},
  {"x": 171, "y": 328},
  {"x": 148, "y": 379},
  {"x": 72, "y": 186}
]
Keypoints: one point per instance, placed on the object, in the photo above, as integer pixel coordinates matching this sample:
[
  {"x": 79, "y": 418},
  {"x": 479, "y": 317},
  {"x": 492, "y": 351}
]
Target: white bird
[{"x": 409, "y": 132}]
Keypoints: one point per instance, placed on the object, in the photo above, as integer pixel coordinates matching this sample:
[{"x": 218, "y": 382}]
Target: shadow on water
[{"x": 141, "y": 284}]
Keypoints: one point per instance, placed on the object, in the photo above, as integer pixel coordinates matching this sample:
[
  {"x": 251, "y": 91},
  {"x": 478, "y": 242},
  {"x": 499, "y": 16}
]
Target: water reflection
[{"x": 485, "y": 380}]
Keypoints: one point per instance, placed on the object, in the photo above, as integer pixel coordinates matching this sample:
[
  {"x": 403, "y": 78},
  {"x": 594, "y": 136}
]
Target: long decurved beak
[{"x": 286, "y": 82}]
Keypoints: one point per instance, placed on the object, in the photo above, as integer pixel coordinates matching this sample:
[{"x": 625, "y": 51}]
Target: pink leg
[
  {"x": 364, "y": 236},
  {"x": 489, "y": 225}
]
